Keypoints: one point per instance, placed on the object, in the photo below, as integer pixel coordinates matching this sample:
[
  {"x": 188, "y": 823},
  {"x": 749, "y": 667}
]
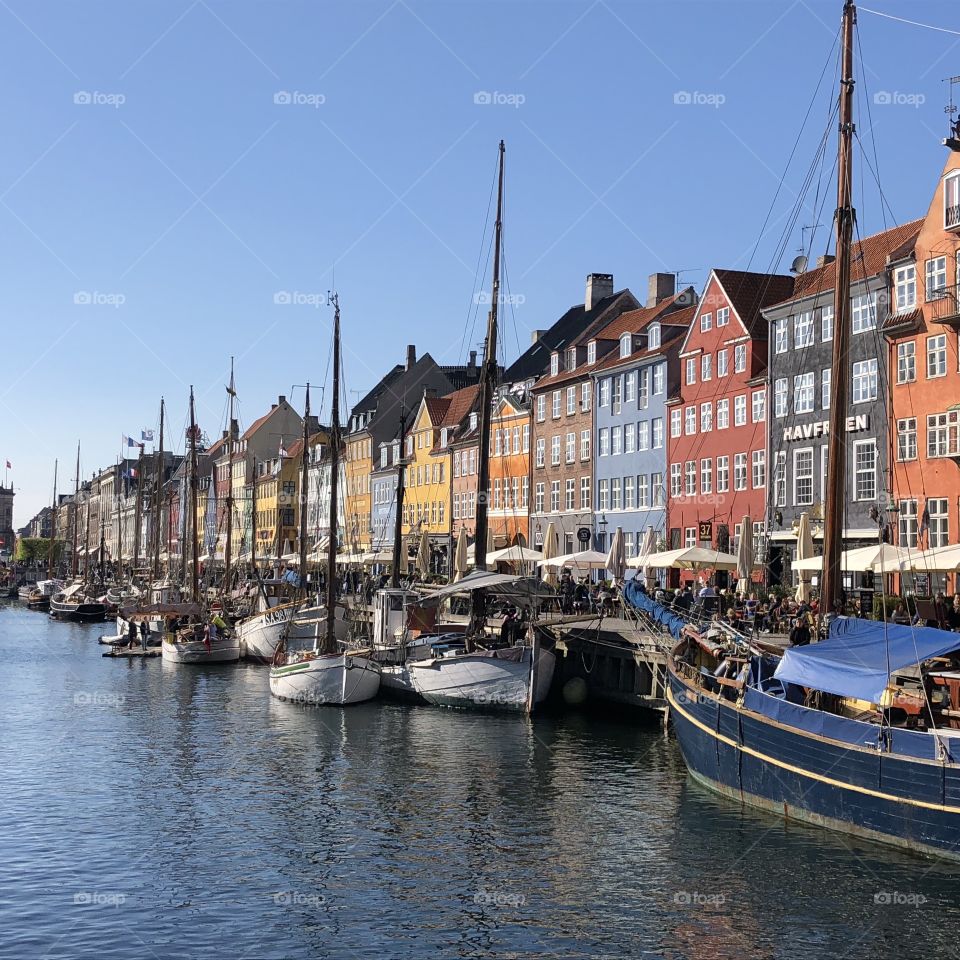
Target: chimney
[
  {"x": 535, "y": 335},
  {"x": 824, "y": 259},
  {"x": 660, "y": 286},
  {"x": 411, "y": 355},
  {"x": 473, "y": 358},
  {"x": 599, "y": 285},
  {"x": 281, "y": 399}
]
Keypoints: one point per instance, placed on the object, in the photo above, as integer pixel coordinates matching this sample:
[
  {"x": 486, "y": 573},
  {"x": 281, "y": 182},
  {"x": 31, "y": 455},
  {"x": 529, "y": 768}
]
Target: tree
[{"x": 36, "y": 550}]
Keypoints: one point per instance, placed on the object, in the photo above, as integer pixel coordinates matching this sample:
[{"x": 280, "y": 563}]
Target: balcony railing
[
  {"x": 951, "y": 217},
  {"x": 945, "y": 308}
]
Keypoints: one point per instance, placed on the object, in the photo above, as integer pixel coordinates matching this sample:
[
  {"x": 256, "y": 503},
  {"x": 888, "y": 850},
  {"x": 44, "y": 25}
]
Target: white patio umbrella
[
  {"x": 804, "y": 552},
  {"x": 616, "y": 561},
  {"x": 515, "y": 554},
  {"x": 423, "y": 555},
  {"x": 460, "y": 562},
  {"x": 881, "y": 558},
  {"x": 687, "y": 558},
  {"x": 583, "y": 560},
  {"x": 646, "y": 550},
  {"x": 550, "y": 547},
  {"x": 745, "y": 549}
]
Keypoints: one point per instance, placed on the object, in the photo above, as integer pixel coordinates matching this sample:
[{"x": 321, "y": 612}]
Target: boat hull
[
  {"x": 859, "y": 790},
  {"x": 222, "y": 650},
  {"x": 93, "y": 612},
  {"x": 337, "y": 679},
  {"x": 472, "y": 681},
  {"x": 260, "y": 634}
]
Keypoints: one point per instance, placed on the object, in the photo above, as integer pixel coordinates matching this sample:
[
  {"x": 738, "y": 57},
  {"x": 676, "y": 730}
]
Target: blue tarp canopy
[
  {"x": 634, "y": 595},
  {"x": 859, "y": 656}
]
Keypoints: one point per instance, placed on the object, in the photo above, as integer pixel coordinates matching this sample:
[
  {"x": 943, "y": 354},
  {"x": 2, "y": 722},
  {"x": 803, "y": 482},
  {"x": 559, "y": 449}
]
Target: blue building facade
[
  {"x": 631, "y": 387},
  {"x": 383, "y": 495}
]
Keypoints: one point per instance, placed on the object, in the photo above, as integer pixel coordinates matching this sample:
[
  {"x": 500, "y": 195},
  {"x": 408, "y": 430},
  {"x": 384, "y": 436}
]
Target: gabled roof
[
  {"x": 258, "y": 423},
  {"x": 680, "y": 320},
  {"x": 749, "y": 293},
  {"x": 436, "y": 408},
  {"x": 567, "y": 330},
  {"x": 868, "y": 259},
  {"x": 459, "y": 405}
]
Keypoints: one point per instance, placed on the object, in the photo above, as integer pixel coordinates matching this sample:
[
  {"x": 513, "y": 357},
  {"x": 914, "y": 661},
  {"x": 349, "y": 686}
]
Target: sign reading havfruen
[{"x": 808, "y": 431}]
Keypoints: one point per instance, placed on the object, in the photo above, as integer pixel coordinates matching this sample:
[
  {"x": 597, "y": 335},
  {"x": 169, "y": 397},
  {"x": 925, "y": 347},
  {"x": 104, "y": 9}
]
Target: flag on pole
[
  {"x": 9, "y": 465},
  {"x": 130, "y": 442},
  {"x": 146, "y": 436}
]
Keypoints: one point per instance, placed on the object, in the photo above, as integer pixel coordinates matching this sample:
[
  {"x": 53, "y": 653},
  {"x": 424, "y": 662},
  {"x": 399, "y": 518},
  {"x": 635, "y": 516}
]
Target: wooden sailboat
[
  {"x": 327, "y": 672},
  {"x": 519, "y": 677},
  {"x": 204, "y": 639}
]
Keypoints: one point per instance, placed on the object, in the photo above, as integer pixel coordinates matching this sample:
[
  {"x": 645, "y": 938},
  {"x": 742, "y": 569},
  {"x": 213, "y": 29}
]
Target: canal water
[{"x": 155, "y": 811}]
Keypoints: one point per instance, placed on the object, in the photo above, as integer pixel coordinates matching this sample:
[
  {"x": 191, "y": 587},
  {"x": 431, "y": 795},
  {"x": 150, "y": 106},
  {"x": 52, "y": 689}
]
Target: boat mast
[
  {"x": 832, "y": 590},
  {"x": 137, "y": 518},
  {"x": 398, "y": 520},
  {"x": 303, "y": 494},
  {"x": 158, "y": 480},
  {"x": 227, "y": 552},
  {"x": 194, "y": 547},
  {"x": 86, "y": 539},
  {"x": 329, "y": 643},
  {"x": 53, "y": 525},
  {"x": 488, "y": 376},
  {"x": 76, "y": 520},
  {"x": 120, "y": 476}
]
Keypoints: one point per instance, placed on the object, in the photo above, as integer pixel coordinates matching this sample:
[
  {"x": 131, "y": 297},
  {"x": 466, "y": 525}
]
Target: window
[
  {"x": 592, "y": 351},
  {"x": 616, "y": 441},
  {"x": 656, "y": 481},
  {"x": 723, "y": 316},
  {"x": 456, "y": 506},
  {"x": 803, "y": 393},
  {"x": 825, "y": 376},
  {"x": 942, "y": 434},
  {"x": 722, "y": 363},
  {"x": 689, "y": 536},
  {"x": 740, "y": 410},
  {"x": 555, "y": 450},
  {"x": 690, "y": 478},
  {"x": 676, "y": 422},
  {"x": 758, "y": 469},
  {"x": 605, "y": 392},
  {"x": 706, "y": 417},
  {"x": 723, "y": 474},
  {"x": 541, "y": 450},
  {"x": 951, "y": 201},
  {"x": 906, "y": 362},
  {"x": 780, "y": 479},
  {"x": 571, "y": 447},
  {"x": 659, "y": 378},
  {"x": 740, "y": 358},
  {"x": 656, "y": 425},
  {"x": 603, "y": 442},
  {"x": 496, "y": 494},
  {"x": 541, "y": 408},
  {"x": 803, "y": 477},
  {"x": 555, "y": 411},
  {"x": 584, "y": 444},
  {"x": 643, "y": 492},
  {"x": 629, "y": 438},
  {"x": 644, "y": 399},
  {"x": 585, "y": 498},
  {"x": 780, "y": 335},
  {"x": 706, "y": 322},
  {"x": 615, "y": 501},
  {"x": 865, "y": 470},
  {"x": 604, "y": 495},
  {"x": 571, "y": 400},
  {"x": 739, "y": 471},
  {"x": 908, "y": 523},
  {"x": 690, "y": 420},
  {"x": 939, "y": 523},
  {"x": 691, "y": 376},
  {"x": 569, "y": 494},
  {"x": 803, "y": 330},
  {"x": 864, "y": 313},
  {"x": 826, "y": 325},
  {"x": 759, "y": 406},
  {"x": 937, "y": 356},
  {"x": 936, "y": 277},
  {"x": 498, "y": 443},
  {"x": 706, "y": 475},
  {"x": 554, "y": 496},
  {"x": 865, "y": 380},
  {"x": 629, "y": 493},
  {"x": 526, "y": 438},
  {"x": 572, "y": 358},
  {"x": 630, "y": 387},
  {"x": 675, "y": 480},
  {"x": 525, "y": 492},
  {"x": 617, "y": 393},
  {"x": 907, "y": 438},
  {"x": 653, "y": 336},
  {"x": 456, "y": 462},
  {"x": 905, "y": 288},
  {"x": 723, "y": 414},
  {"x": 538, "y": 498},
  {"x": 626, "y": 344},
  {"x": 643, "y": 435},
  {"x": 554, "y": 364},
  {"x": 585, "y": 389},
  {"x": 706, "y": 365}
]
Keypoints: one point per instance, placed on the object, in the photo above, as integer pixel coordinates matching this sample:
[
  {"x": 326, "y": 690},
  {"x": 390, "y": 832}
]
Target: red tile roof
[
  {"x": 749, "y": 293},
  {"x": 257, "y": 424},
  {"x": 679, "y": 318},
  {"x": 869, "y": 257},
  {"x": 459, "y": 404},
  {"x": 436, "y": 408}
]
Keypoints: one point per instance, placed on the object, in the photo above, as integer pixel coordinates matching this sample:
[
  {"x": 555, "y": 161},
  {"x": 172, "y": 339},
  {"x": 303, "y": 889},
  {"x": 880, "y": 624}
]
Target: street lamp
[{"x": 602, "y": 525}]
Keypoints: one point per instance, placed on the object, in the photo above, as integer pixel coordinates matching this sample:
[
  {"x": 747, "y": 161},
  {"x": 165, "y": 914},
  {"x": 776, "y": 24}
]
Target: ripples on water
[{"x": 203, "y": 818}]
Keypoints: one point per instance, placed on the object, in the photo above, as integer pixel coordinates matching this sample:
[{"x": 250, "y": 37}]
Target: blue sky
[{"x": 172, "y": 172}]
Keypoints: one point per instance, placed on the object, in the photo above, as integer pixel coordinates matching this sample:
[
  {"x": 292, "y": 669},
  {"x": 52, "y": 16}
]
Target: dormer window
[
  {"x": 592, "y": 351},
  {"x": 383, "y": 457},
  {"x": 554, "y": 363},
  {"x": 572, "y": 358},
  {"x": 473, "y": 421},
  {"x": 951, "y": 201},
  {"x": 626, "y": 345},
  {"x": 653, "y": 336},
  {"x": 396, "y": 450},
  {"x": 443, "y": 437},
  {"x": 410, "y": 445}
]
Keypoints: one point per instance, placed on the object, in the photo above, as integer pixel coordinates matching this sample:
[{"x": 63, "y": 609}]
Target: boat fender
[{"x": 348, "y": 663}]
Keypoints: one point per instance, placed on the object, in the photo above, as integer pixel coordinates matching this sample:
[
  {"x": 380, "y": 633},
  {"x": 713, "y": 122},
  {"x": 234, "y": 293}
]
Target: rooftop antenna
[
  {"x": 951, "y": 108},
  {"x": 803, "y": 236}
]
